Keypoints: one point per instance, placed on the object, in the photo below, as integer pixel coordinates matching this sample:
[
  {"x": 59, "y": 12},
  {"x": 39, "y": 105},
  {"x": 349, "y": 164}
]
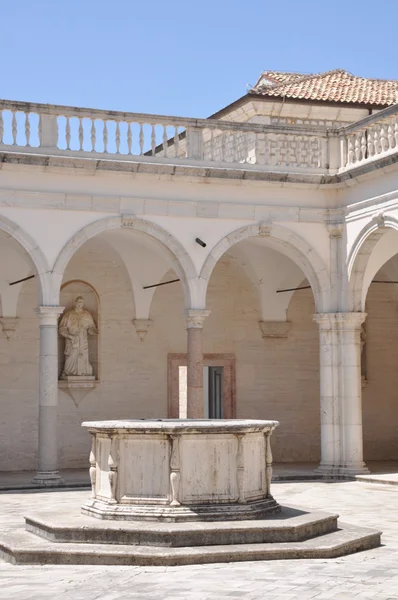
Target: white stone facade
[{"x": 118, "y": 223}]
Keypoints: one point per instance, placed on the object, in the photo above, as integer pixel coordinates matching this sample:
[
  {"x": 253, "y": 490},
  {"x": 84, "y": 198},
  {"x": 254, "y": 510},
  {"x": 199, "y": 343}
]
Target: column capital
[
  {"x": 335, "y": 230},
  {"x": 195, "y": 317},
  {"x": 342, "y": 321},
  {"x": 48, "y": 315}
]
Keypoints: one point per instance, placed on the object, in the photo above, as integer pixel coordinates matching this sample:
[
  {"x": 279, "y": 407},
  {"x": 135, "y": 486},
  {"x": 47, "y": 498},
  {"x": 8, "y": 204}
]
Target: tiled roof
[{"x": 331, "y": 86}]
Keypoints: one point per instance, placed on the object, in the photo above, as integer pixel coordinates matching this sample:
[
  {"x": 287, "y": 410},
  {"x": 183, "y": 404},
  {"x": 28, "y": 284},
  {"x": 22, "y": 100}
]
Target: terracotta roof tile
[{"x": 332, "y": 86}]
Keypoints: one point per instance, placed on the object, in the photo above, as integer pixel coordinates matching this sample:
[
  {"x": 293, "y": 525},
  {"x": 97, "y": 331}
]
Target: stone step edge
[
  {"x": 18, "y": 548},
  {"x": 376, "y": 480},
  {"x": 213, "y": 534}
]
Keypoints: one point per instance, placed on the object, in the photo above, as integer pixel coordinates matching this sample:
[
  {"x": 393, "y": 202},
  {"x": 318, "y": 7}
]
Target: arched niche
[{"x": 70, "y": 290}]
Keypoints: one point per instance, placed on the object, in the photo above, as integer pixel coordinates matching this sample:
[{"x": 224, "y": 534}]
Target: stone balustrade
[
  {"x": 67, "y": 131},
  {"x": 369, "y": 139}
]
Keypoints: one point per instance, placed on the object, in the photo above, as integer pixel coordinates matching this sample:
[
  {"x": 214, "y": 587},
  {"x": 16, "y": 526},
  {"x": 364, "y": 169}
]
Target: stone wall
[
  {"x": 19, "y": 380},
  {"x": 380, "y": 395}
]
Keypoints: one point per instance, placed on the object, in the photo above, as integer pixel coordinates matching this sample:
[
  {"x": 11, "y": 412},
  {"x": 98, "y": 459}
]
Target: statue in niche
[{"x": 75, "y": 324}]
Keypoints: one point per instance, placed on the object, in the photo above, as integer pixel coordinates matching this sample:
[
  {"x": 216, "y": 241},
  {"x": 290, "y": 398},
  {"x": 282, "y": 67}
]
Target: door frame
[{"x": 209, "y": 360}]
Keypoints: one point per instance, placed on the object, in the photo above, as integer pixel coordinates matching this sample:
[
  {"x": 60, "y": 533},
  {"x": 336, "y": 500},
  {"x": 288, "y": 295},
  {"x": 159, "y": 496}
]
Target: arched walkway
[
  {"x": 365, "y": 259},
  {"x": 288, "y": 243},
  {"x": 373, "y": 260},
  {"x": 181, "y": 261},
  {"x": 35, "y": 254}
]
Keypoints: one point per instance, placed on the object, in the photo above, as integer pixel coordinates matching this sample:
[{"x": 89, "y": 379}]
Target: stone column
[
  {"x": 195, "y": 401},
  {"x": 341, "y": 402},
  {"x": 330, "y": 393},
  {"x": 47, "y": 473},
  {"x": 352, "y": 434}
]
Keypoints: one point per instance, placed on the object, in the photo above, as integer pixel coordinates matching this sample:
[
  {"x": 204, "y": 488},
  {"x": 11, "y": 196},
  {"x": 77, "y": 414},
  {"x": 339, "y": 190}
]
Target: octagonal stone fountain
[
  {"x": 179, "y": 492},
  {"x": 181, "y": 470}
]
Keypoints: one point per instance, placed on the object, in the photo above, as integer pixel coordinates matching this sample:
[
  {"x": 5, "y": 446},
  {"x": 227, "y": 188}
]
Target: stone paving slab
[{"x": 372, "y": 574}]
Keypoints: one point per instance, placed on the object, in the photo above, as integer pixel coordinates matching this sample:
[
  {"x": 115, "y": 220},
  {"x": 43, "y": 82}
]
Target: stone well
[{"x": 180, "y": 470}]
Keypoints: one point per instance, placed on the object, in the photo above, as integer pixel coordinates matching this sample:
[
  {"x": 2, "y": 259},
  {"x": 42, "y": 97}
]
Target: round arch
[
  {"x": 35, "y": 254},
  {"x": 288, "y": 243},
  {"x": 180, "y": 259},
  {"x": 360, "y": 255}
]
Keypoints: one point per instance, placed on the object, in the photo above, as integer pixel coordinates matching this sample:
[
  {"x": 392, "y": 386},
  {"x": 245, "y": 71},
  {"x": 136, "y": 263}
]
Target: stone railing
[
  {"x": 371, "y": 138},
  {"x": 90, "y": 133},
  {"x": 65, "y": 130}
]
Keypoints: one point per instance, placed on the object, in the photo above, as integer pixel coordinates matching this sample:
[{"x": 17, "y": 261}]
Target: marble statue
[{"x": 75, "y": 324}]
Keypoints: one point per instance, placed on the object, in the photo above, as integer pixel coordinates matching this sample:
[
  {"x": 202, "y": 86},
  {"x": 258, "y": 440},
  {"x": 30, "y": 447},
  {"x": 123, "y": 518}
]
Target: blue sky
[{"x": 182, "y": 57}]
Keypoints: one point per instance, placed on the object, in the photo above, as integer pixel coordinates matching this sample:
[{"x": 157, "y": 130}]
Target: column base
[
  {"x": 48, "y": 479},
  {"x": 327, "y": 470},
  {"x": 339, "y": 471},
  {"x": 354, "y": 469}
]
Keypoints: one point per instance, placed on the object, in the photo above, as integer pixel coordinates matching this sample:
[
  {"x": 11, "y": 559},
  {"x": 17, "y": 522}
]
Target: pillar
[
  {"x": 329, "y": 357},
  {"x": 352, "y": 433},
  {"x": 47, "y": 473},
  {"x": 195, "y": 400},
  {"x": 340, "y": 393}
]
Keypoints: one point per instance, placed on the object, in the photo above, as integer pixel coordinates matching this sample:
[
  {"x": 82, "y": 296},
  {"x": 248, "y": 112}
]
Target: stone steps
[
  {"x": 22, "y": 547},
  {"x": 289, "y": 525}
]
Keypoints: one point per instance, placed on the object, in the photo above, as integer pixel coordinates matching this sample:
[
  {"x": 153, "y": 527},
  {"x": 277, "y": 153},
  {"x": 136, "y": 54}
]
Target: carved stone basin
[{"x": 180, "y": 469}]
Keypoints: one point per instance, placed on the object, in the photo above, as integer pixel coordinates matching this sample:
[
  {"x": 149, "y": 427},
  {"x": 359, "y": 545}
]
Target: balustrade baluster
[
  {"x": 363, "y": 146},
  {"x": 117, "y": 137},
  {"x": 153, "y": 140},
  {"x": 350, "y": 150},
  {"x": 81, "y": 133},
  {"x": 257, "y": 148},
  {"x": 357, "y": 149},
  {"x": 141, "y": 139},
  {"x": 235, "y": 146},
  {"x": 1, "y": 127},
  {"x": 370, "y": 144},
  {"x": 67, "y": 133},
  {"x": 129, "y": 138},
  {"x": 14, "y": 128},
  {"x": 376, "y": 141},
  {"x": 245, "y": 147},
  {"x": 93, "y": 135},
  {"x": 105, "y": 136},
  {"x": 383, "y": 139},
  {"x": 176, "y": 141},
  {"x": 390, "y": 136},
  {"x": 27, "y": 129},
  {"x": 223, "y": 147},
  {"x": 211, "y": 153},
  {"x": 165, "y": 140}
]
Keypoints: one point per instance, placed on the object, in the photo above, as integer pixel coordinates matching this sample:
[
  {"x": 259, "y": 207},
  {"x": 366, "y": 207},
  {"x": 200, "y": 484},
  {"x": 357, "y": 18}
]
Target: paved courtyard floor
[{"x": 372, "y": 574}]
